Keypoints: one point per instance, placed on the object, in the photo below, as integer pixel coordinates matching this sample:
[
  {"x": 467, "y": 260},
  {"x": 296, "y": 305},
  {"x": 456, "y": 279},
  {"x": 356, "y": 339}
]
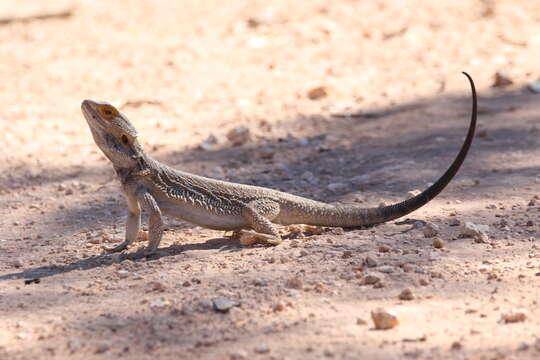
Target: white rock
[
  {"x": 412, "y": 193},
  {"x": 386, "y": 269},
  {"x": 470, "y": 229},
  {"x": 222, "y": 304},
  {"x": 122, "y": 274},
  {"x": 238, "y": 355}
]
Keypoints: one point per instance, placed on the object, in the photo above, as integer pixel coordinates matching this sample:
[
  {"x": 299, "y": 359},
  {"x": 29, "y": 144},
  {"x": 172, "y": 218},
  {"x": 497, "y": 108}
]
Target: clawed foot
[
  {"x": 142, "y": 236},
  {"x": 148, "y": 251},
  {"x": 249, "y": 237},
  {"x": 113, "y": 249}
]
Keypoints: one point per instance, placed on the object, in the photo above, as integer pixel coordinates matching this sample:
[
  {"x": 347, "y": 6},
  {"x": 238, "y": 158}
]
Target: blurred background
[{"x": 189, "y": 66}]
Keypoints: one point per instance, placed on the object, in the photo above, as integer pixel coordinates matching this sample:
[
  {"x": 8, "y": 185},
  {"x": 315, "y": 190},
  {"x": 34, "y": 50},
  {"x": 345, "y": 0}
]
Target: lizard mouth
[{"x": 91, "y": 116}]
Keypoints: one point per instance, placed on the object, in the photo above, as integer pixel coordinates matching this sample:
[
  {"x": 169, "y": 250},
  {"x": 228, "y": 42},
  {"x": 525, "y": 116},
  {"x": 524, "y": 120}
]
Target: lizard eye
[
  {"x": 125, "y": 140},
  {"x": 108, "y": 112}
]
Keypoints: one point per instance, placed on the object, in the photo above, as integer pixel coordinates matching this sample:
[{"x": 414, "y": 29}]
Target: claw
[
  {"x": 248, "y": 237},
  {"x": 117, "y": 248}
]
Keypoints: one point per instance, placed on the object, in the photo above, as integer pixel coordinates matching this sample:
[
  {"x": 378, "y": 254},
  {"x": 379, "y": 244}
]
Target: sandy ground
[{"x": 186, "y": 70}]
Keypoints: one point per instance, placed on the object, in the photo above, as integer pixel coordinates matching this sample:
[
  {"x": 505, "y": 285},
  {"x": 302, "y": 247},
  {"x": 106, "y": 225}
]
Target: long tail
[{"x": 351, "y": 217}]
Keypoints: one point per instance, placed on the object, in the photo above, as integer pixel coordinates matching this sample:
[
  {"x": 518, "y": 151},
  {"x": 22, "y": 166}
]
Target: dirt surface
[{"x": 183, "y": 71}]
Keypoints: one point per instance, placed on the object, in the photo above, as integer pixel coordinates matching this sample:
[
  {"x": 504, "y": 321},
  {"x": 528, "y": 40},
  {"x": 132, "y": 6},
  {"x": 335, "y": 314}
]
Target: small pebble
[
  {"x": 438, "y": 244},
  {"x": 309, "y": 177},
  {"x": 238, "y": 355},
  {"x": 17, "y": 263},
  {"x": 370, "y": 261},
  {"x": 514, "y": 316},
  {"x": 295, "y": 283},
  {"x": 408, "y": 268},
  {"x": 481, "y": 239},
  {"x": 412, "y": 194},
  {"x": 122, "y": 274},
  {"x": 159, "y": 303},
  {"x": 370, "y": 279},
  {"x": 156, "y": 286},
  {"x": 386, "y": 269},
  {"x": 406, "y": 294},
  {"x": 102, "y": 348},
  {"x": 501, "y": 80},
  {"x": 222, "y": 304},
  {"x": 317, "y": 93},
  {"x": 211, "y": 143},
  {"x": 430, "y": 230},
  {"x": 470, "y": 229},
  {"x": 383, "y": 319},
  {"x": 328, "y": 353},
  {"x": 262, "y": 349},
  {"x": 239, "y": 135}
]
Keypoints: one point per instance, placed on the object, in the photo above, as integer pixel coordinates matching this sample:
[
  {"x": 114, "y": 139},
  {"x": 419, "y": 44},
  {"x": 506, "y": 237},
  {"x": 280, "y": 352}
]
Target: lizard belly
[{"x": 203, "y": 217}]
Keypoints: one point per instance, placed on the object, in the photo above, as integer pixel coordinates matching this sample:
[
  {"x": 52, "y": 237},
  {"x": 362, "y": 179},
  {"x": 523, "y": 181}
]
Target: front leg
[
  {"x": 155, "y": 223},
  {"x": 133, "y": 224}
]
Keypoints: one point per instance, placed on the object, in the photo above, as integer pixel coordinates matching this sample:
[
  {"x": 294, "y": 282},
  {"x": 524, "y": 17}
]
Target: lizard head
[{"x": 113, "y": 133}]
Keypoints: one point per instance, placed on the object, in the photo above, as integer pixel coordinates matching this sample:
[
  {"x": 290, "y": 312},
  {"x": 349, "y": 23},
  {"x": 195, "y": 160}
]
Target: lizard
[{"x": 158, "y": 189}]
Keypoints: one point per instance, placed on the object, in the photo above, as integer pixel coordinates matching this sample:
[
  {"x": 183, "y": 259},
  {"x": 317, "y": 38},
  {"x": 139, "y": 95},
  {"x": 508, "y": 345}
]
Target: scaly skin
[{"x": 159, "y": 189}]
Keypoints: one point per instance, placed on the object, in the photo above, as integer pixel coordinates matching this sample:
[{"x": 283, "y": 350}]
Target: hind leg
[{"x": 258, "y": 215}]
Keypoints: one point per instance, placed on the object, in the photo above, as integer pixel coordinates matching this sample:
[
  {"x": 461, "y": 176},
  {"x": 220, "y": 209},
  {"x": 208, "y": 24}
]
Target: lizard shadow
[{"x": 107, "y": 259}]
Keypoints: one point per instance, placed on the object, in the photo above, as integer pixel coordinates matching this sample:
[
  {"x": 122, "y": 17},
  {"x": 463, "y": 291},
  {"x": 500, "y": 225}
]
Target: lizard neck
[{"x": 144, "y": 165}]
